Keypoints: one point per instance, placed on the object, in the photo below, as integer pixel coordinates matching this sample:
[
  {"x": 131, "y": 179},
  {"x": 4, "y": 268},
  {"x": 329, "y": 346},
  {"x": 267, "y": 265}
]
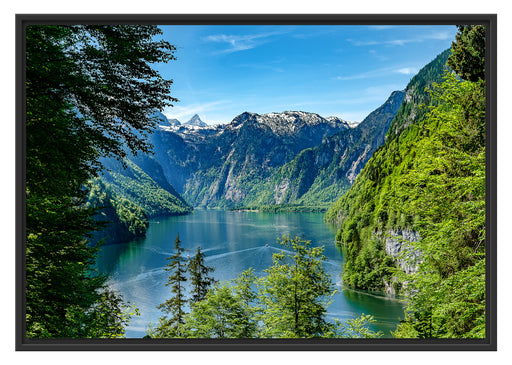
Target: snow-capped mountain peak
[{"x": 196, "y": 121}]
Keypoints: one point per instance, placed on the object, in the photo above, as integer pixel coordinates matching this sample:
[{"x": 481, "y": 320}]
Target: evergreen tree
[
  {"x": 295, "y": 293},
  {"x": 229, "y": 310},
  {"x": 175, "y": 306},
  {"x": 199, "y": 278},
  {"x": 468, "y": 53}
]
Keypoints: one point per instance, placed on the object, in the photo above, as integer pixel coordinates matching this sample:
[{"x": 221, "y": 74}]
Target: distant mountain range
[
  {"x": 293, "y": 157},
  {"x": 195, "y": 121},
  {"x": 222, "y": 165}
]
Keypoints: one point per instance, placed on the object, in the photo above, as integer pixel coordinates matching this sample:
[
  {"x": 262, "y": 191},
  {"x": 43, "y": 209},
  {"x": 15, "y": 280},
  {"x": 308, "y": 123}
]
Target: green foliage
[
  {"x": 450, "y": 284},
  {"x": 199, "y": 278},
  {"x": 227, "y": 311},
  {"x": 88, "y": 92},
  {"x": 295, "y": 292},
  {"x": 468, "y": 56},
  {"x": 135, "y": 185},
  {"x": 430, "y": 179},
  {"x": 355, "y": 328},
  {"x": 369, "y": 267},
  {"x": 175, "y": 306},
  {"x": 122, "y": 219}
]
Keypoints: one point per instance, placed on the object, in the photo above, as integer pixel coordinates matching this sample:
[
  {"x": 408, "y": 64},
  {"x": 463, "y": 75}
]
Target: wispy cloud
[
  {"x": 392, "y": 42},
  {"x": 378, "y": 73},
  {"x": 378, "y": 55},
  {"x": 185, "y": 112},
  {"x": 434, "y": 35},
  {"x": 244, "y": 42},
  {"x": 407, "y": 71}
]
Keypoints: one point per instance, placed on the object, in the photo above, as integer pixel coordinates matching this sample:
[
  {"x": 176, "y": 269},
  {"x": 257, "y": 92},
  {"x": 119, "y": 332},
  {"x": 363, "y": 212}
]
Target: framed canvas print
[{"x": 256, "y": 182}]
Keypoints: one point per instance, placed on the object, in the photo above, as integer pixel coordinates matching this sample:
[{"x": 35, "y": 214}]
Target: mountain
[
  {"x": 321, "y": 174},
  {"x": 162, "y": 119},
  {"x": 174, "y": 122},
  {"x": 142, "y": 182},
  {"x": 196, "y": 122},
  {"x": 125, "y": 219},
  {"x": 217, "y": 166},
  {"x": 373, "y": 225}
]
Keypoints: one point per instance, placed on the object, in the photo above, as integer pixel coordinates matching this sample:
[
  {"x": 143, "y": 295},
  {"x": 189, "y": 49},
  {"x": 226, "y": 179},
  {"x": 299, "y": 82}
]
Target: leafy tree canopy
[{"x": 89, "y": 92}]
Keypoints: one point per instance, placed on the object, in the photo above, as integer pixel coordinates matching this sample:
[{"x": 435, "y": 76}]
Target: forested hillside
[
  {"x": 414, "y": 220},
  {"x": 142, "y": 182},
  {"x": 123, "y": 219}
]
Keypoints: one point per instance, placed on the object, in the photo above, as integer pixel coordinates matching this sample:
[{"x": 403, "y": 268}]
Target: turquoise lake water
[{"x": 232, "y": 243}]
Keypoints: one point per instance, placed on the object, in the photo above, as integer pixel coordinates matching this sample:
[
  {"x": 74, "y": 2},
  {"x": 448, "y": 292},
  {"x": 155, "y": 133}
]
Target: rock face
[{"x": 397, "y": 245}]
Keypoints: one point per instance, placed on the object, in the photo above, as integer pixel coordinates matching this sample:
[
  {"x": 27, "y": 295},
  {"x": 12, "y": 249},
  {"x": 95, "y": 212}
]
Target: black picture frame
[{"x": 487, "y": 344}]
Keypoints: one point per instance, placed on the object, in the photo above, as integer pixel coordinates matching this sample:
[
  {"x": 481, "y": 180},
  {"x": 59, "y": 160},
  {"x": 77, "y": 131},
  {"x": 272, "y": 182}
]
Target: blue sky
[{"x": 347, "y": 71}]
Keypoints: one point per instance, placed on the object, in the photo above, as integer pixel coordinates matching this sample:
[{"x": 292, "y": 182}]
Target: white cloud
[
  {"x": 433, "y": 35},
  {"x": 238, "y": 43},
  {"x": 378, "y": 73},
  {"x": 392, "y": 42},
  {"x": 184, "y": 113},
  {"x": 407, "y": 71}
]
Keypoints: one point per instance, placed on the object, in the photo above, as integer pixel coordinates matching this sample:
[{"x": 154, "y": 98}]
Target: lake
[{"x": 232, "y": 243}]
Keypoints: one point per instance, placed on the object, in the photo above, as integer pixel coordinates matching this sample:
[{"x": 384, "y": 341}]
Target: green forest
[
  {"x": 412, "y": 223},
  {"x": 428, "y": 178}
]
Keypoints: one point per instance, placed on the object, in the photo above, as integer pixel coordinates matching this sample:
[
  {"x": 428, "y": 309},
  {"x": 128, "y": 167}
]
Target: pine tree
[
  {"x": 199, "y": 278},
  {"x": 175, "y": 306},
  {"x": 468, "y": 53}
]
